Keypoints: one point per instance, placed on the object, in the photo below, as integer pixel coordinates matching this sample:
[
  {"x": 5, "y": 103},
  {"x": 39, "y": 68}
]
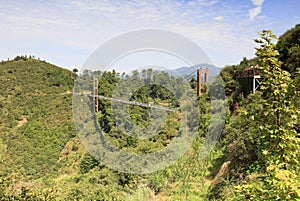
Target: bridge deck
[{"x": 129, "y": 102}]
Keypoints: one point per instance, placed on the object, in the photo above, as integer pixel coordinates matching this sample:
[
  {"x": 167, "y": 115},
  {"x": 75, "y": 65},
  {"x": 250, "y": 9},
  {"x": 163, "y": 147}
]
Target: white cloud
[
  {"x": 257, "y": 10},
  {"x": 63, "y": 28},
  {"x": 224, "y": 43},
  {"x": 257, "y": 2},
  {"x": 207, "y": 2},
  {"x": 219, "y": 18}
]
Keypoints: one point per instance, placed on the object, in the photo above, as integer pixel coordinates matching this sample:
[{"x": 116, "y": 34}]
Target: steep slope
[{"x": 35, "y": 117}]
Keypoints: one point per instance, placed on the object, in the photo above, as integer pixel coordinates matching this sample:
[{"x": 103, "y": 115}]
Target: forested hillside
[
  {"x": 36, "y": 121},
  {"x": 42, "y": 158},
  {"x": 256, "y": 158}
]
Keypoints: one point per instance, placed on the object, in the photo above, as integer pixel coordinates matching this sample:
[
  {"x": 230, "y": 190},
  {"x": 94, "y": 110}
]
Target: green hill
[
  {"x": 41, "y": 157},
  {"x": 35, "y": 117}
]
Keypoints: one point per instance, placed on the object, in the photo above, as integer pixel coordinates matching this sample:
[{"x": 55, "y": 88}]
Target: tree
[
  {"x": 75, "y": 70},
  {"x": 277, "y": 166},
  {"x": 289, "y": 48},
  {"x": 227, "y": 73},
  {"x": 193, "y": 83}
]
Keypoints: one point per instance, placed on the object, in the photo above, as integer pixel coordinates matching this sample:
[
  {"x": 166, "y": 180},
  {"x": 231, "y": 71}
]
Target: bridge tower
[
  {"x": 200, "y": 72},
  {"x": 95, "y": 93}
]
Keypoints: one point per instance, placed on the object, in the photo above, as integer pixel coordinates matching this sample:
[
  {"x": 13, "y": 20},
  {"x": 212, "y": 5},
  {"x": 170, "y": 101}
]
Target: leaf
[{"x": 265, "y": 152}]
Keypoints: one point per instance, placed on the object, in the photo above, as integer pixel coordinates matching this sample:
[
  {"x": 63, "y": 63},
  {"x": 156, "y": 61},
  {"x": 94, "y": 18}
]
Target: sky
[{"x": 67, "y": 32}]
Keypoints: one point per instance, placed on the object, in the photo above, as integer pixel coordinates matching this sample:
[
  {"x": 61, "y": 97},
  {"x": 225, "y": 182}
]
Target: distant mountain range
[
  {"x": 187, "y": 72},
  {"x": 191, "y": 71}
]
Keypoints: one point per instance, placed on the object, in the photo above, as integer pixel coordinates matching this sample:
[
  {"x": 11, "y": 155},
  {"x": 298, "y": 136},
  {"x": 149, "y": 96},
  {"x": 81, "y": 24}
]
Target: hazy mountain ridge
[
  {"x": 187, "y": 72},
  {"x": 191, "y": 71}
]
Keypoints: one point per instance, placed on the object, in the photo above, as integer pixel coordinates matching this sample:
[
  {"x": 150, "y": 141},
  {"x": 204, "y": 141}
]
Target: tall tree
[
  {"x": 278, "y": 141},
  {"x": 289, "y": 48}
]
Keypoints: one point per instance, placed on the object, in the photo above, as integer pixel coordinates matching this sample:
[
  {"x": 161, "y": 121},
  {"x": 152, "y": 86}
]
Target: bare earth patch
[
  {"x": 23, "y": 121},
  {"x": 21, "y": 184}
]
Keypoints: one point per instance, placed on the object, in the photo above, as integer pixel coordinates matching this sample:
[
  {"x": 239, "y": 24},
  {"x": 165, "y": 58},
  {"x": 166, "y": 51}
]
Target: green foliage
[
  {"x": 41, "y": 159},
  {"x": 276, "y": 140},
  {"x": 157, "y": 182},
  {"x": 289, "y": 49},
  {"x": 279, "y": 140},
  {"x": 148, "y": 88},
  {"x": 241, "y": 136},
  {"x": 193, "y": 83},
  {"x": 37, "y": 134},
  {"x": 88, "y": 163},
  {"x": 261, "y": 138},
  {"x": 237, "y": 88},
  {"x": 107, "y": 84},
  {"x": 204, "y": 114},
  {"x": 34, "y": 115},
  {"x": 227, "y": 73}
]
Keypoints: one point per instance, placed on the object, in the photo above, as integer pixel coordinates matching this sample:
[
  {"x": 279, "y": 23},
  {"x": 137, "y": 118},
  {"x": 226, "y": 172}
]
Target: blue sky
[{"x": 66, "y": 32}]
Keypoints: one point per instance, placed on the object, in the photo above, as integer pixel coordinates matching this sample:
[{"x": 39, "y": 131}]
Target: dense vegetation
[
  {"x": 141, "y": 120},
  {"x": 257, "y": 158},
  {"x": 42, "y": 158},
  {"x": 262, "y": 135}
]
